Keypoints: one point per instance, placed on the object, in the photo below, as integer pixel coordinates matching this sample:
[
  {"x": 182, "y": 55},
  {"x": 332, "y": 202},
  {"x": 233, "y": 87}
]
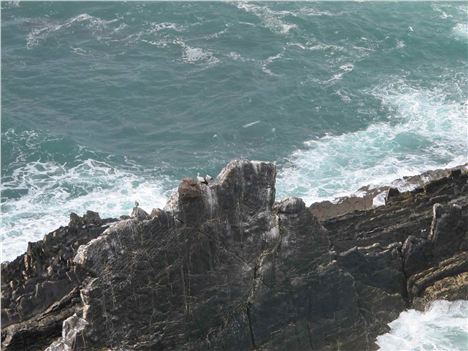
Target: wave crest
[
  {"x": 40, "y": 34},
  {"x": 270, "y": 18},
  {"x": 425, "y": 130},
  {"x": 38, "y": 196},
  {"x": 442, "y": 327}
]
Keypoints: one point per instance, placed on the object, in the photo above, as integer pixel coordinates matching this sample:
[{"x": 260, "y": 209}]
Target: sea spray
[
  {"x": 442, "y": 327},
  {"x": 135, "y": 96},
  {"x": 43, "y": 193},
  {"x": 425, "y": 130}
]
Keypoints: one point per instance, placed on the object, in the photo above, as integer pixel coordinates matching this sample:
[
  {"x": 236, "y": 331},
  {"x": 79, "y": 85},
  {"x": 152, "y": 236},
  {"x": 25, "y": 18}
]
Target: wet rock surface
[{"x": 225, "y": 267}]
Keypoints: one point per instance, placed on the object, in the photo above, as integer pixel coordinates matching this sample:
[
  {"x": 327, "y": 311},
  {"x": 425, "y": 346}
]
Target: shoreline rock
[
  {"x": 224, "y": 266},
  {"x": 368, "y": 197}
]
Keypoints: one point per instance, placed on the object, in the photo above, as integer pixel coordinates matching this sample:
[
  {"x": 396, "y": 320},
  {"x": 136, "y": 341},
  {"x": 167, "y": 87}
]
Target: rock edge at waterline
[{"x": 224, "y": 266}]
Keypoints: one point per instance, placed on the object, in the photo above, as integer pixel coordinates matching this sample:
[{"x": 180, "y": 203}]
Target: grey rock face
[
  {"x": 71, "y": 327},
  {"x": 448, "y": 229},
  {"x": 180, "y": 264},
  {"x": 139, "y": 213},
  {"x": 225, "y": 267},
  {"x": 417, "y": 255},
  {"x": 40, "y": 288}
]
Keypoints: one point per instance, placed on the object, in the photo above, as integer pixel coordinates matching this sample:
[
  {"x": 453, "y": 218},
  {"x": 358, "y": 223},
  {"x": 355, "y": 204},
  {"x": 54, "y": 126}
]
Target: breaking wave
[
  {"x": 443, "y": 327},
  {"x": 270, "y": 18},
  {"x": 38, "y": 196},
  {"x": 425, "y": 130},
  {"x": 93, "y": 23}
]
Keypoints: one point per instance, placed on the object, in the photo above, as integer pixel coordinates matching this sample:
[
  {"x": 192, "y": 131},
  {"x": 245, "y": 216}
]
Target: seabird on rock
[
  {"x": 139, "y": 213},
  {"x": 205, "y": 179},
  {"x": 200, "y": 179}
]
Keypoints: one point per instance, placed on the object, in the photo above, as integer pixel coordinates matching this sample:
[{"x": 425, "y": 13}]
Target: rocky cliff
[{"x": 225, "y": 267}]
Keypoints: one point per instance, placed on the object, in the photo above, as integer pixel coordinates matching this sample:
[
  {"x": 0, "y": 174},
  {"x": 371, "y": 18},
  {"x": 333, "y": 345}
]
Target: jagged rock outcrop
[
  {"x": 368, "y": 197},
  {"x": 428, "y": 228},
  {"x": 223, "y": 266},
  {"x": 41, "y": 288}
]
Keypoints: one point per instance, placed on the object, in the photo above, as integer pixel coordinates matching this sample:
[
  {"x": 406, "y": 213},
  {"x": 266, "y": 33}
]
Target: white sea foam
[
  {"x": 238, "y": 57},
  {"x": 247, "y": 125},
  {"x": 157, "y": 27},
  {"x": 341, "y": 54},
  {"x": 400, "y": 44},
  {"x": 461, "y": 30},
  {"x": 309, "y": 11},
  {"x": 270, "y": 60},
  {"x": 39, "y": 34},
  {"x": 218, "y": 34},
  {"x": 319, "y": 46},
  {"x": 51, "y": 190},
  {"x": 299, "y": 45},
  {"x": 343, "y": 96},
  {"x": 196, "y": 55},
  {"x": 347, "y": 67},
  {"x": 193, "y": 55},
  {"x": 443, "y": 327},
  {"x": 442, "y": 14},
  {"x": 158, "y": 43},
  {"x": 270, "y": 18},
  {"x": 9, "y": 4},
  {"x": 79, "y": 51},
  {"x": 463, "y": 9},
  {"x": 426, "y": 131}
]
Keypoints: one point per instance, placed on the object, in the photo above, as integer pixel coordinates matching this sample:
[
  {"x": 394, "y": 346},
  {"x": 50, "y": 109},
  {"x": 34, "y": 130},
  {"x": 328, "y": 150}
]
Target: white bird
[
  {"x": 410, "y": 29},
  {"x": 201, "y": 179},
  {"x": 205, "y": 179}
]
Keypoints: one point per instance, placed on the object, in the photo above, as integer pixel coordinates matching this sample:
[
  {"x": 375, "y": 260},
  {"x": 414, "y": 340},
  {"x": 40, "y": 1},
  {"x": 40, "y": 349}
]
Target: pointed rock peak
[
  {"x": 250, "y": 183},
  {"x": 189, "y": 189},
  {"x": 248, "y": 170}
]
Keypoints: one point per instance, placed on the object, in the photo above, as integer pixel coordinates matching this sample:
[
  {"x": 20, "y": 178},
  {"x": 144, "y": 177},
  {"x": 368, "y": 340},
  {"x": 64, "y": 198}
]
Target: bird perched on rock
[
  {"x": 200, "y": 179},
  {"x": 204, "y": 180},
  {"x": 139, "y": 213}
]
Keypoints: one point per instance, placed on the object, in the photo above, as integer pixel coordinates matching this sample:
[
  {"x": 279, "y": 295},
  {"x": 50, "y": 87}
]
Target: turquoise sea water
[
  {"x": 442, "y": 327},
  {"x": 106, "y": 103}
]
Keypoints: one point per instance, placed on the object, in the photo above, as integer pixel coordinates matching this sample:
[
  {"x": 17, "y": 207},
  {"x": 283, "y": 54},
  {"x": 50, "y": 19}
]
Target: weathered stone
[
  {"x": 189, "y": 189},
  {"x": 139, "y": 214},
  {"x": 72, "y": 327},
  {"x": 290, "y": 205},
  {"x": 38, "y": 280},
  {"x": 224, "y": 267},
  {"x": 391, "y": 194},
  {"x": 92, "y": 218},
  {"x": 417, "y": 255},
  {"x": 449, "y": 229},
  {"x": 75, "y": 220}
]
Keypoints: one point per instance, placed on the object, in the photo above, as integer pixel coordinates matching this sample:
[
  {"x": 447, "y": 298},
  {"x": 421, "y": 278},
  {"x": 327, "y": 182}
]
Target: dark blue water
[{"x": 105, "y": 103}]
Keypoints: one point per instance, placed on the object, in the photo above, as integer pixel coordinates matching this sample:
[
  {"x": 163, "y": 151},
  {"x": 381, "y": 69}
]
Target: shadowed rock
[
  {"x": 223, "y": 266},
  {"x": 40, "y": 287}
]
